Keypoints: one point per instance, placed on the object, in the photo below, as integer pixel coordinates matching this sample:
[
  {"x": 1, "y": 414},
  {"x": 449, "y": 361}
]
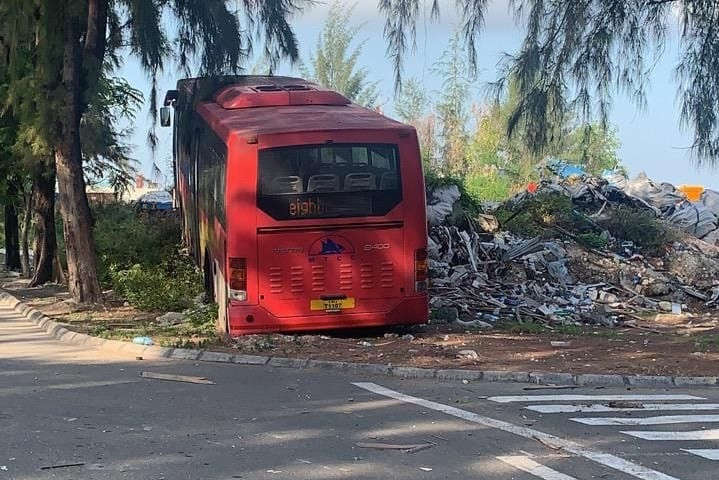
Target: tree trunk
[
  {"x": 12, "y": 234},
  {"x": 77, "y": 221},
  {"x": 25, "y": 234},
  {"x": 44, "y": 210}
]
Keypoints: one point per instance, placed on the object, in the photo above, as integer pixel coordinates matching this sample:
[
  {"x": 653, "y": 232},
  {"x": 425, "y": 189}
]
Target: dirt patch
[
  {"x": 601, "y": 350},
  {"x": 661, "y": 344},
  {"x": 115, "y": 319}
]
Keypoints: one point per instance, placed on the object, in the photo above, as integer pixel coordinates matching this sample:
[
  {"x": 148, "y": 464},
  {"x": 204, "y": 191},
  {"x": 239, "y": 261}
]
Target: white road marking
[
  {"x": 24, "y": 390},
  {"x": 710, "y": 453},
  {"x": 580, "y": 398},
  {"x": 664, "y": 420},
  {"x": 598, "y": 408},
  {"x": 712, "y": 434},
  {"x": 16, "y": 372},
  {"x": 552, "y": 441},
  {"x": 528, "y": 465}
]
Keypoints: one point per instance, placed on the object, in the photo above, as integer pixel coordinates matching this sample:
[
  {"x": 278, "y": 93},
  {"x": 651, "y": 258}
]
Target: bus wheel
[{"x": 220, "y": 290}]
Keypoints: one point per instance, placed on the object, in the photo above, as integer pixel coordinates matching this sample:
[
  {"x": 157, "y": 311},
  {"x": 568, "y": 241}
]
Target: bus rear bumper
[{"x": 246, "y": 320}]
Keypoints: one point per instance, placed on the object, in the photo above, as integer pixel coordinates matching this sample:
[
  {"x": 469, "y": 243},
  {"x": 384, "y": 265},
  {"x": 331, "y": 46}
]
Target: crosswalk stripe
[
  {"x": 663, "y": 420},
  {"x": 533, "y": 468},
  {"x": 599, "y": 408},
  {"x": 578, "y": 398},
  {"x": 712, "y": 434},
  {"x": 608, "y": 460},
  {"x": 709, "y": 453}
]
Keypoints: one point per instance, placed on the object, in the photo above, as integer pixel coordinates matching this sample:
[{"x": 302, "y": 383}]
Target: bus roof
[{"x": 261, "y": 105}]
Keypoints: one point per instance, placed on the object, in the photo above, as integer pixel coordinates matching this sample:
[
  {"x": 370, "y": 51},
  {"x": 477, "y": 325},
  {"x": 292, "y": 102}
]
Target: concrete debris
[
  {"x": 170, "y": 319},
  {"x": 482, "y": 275},
  {"x": 468, "y": 355}
]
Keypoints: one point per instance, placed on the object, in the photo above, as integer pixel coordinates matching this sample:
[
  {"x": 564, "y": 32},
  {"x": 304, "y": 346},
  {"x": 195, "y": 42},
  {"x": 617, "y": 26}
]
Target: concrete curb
[{"x": 61, "y": 333}]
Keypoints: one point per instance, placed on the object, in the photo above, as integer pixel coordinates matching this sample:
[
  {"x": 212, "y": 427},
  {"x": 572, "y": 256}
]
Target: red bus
[{"x": 303, "y": 210}]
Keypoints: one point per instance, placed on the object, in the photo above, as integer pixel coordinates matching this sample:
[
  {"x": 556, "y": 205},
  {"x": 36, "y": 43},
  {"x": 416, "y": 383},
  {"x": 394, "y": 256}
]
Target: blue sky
[{"x": 651, "y": 139}]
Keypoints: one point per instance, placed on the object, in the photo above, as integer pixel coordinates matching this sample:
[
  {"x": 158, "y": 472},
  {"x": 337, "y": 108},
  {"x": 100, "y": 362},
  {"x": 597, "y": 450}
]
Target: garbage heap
[{"x": 482, "y": 275}]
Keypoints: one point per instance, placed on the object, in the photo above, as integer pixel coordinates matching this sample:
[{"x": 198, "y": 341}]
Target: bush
[
  {"x": 537, "y": 214},
  {"x": 641, "y": 227},
  {"x": 592, "y": 240},
  {"x": 125, "y": 237},
  {"x": 202, "y": 320},
  {"x": 488, "y": 188},
  {"x": 170, "y": 286}
]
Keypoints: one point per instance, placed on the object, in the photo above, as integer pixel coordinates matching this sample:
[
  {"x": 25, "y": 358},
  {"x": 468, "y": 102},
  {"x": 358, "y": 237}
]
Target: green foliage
[
  {"x": 639, "y": 226},
  {"x": 569, "y": 329},
  {"x": 170, "y": 286},
  {"x": 125, "y": 237},
  {"x": 592, "y": 240},
  {"x": 452, "y": 109},
  {"x": 334, "y": 63},
  {"x": 488, "y": 187},
  {"x": 529, "y": 327},
  {"x": 594, "y": 147},
  {"x": 411, "y": 102},
  {"x": 201, "y": 320},
  {"x": 106, "y": 155},
  {"x": 537, "y": 213},
  {"x": 705, "y": 343},
  {"x": 576, "y": 55},
  {"x": 137, "y": 253}
]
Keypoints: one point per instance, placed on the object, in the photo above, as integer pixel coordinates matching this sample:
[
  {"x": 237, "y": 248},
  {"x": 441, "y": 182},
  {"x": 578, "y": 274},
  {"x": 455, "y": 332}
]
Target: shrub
[
  {"x": 202, "y": 320},
  {"x": 172, "y": 285},
  {"x": 484, "y": 188},
  {"x": 641, "y": 227},
  {"x": 592, "y": 240},
  {"x": 536, "y": 214},
  {"x": 125, "y": 237}
]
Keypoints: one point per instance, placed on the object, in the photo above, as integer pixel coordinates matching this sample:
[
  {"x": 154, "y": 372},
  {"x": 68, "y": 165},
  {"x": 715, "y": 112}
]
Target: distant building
[{"x": 104, "y": 193}]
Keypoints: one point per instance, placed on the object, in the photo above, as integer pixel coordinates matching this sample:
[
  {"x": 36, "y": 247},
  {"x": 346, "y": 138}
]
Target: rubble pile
[{"x": 482, "y": 275}]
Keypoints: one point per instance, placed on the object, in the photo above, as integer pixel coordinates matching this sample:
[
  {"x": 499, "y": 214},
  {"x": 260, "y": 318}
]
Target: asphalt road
[{"x": 63, "y": 405}]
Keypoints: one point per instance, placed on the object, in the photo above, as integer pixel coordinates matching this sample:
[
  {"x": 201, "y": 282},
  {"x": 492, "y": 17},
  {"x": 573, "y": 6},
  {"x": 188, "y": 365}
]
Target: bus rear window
[{"x": 329, "y": 181}]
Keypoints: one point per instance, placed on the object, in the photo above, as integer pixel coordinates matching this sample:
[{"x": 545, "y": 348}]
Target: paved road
[{"x": 61, "y": 404}]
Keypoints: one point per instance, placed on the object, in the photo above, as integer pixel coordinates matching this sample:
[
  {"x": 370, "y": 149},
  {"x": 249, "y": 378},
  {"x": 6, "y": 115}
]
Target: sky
[{"x": 651, "y": 139}]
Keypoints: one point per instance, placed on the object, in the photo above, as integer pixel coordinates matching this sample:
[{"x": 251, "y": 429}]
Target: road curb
[{"x": 61, "y": 333}]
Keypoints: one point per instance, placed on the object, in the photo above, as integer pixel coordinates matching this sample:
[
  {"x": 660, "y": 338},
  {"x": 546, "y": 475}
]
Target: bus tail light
[
  {"x": 238, "y": 279},
  {"x": 420, "y": 270}
]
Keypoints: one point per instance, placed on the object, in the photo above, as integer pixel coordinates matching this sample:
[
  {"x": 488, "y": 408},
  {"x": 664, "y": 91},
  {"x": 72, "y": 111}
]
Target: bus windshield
[{"x": 329, "y": 181}]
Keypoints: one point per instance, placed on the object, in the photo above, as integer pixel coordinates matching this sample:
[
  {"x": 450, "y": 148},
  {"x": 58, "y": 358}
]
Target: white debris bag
[
  {"x": 694, "y": 218},
  {"x": 440, "y": 203}
]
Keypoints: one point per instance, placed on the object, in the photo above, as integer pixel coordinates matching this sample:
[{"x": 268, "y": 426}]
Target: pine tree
[
  {"x": 334, "y": 64},
  {"x": 576, "y": 55},
  {"x": 77, "y": 39}
]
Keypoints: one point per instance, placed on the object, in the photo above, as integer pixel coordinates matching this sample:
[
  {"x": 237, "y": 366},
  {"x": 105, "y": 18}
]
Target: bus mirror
[{"x": 165, "y": 113}]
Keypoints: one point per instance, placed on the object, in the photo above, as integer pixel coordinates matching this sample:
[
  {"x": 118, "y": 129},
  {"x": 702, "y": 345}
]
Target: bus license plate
[{"x": 334, "y": 305}]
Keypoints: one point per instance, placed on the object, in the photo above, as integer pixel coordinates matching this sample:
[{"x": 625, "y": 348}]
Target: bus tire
[{"x": 220, "y": 291}]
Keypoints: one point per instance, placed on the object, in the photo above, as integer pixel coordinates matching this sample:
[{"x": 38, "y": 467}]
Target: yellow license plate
[{"x": 332, "y": 305}]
